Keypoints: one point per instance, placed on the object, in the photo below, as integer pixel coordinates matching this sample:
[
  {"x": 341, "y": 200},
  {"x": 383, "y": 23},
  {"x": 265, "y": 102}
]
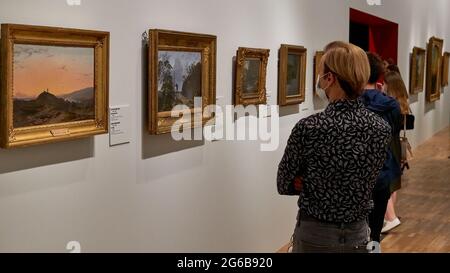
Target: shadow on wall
[
  {"x": 20, "y": 159},
  {"x": 429, "y": 106},
  {"x": 23, "y": 159},
  {"x": 413, "y": 98},
  {"x": 289, "y": 110},
  {"x": 154, "y": 146}
]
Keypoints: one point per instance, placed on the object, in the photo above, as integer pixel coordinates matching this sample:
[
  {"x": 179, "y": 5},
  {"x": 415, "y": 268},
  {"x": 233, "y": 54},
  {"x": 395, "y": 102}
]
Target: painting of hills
[{"x": 52, "y": 84}]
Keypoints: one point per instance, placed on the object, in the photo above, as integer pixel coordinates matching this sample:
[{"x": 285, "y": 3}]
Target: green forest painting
[{"x": 179, "y": 79}]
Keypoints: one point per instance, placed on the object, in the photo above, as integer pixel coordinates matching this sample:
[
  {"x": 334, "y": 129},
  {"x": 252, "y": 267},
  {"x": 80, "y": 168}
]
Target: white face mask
[{"x": 320, "y": 91}]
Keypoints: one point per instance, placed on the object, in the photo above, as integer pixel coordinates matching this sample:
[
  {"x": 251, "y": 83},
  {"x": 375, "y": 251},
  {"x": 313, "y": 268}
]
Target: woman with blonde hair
[
  {"x": 332, "y": 159},
  {"x": 395, "y": 87}
]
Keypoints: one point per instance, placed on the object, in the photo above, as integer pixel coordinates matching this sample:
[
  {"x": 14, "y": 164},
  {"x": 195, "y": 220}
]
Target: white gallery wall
[{"x": 158, "y": 195}]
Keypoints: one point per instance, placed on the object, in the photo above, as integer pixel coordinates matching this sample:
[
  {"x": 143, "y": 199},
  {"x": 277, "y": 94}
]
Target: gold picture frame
[
  {"x": 292, "y": 75},
  {"x": 251, "y": 71},
  {"x": 434, "y": 66},
  {"x": 317, "y": 58},
  {"x": 76, "y": 119},
  {"x": 417, "y": 70},
  {"x": 187, "y": 51},
  {"x": 445, "y": 68}
]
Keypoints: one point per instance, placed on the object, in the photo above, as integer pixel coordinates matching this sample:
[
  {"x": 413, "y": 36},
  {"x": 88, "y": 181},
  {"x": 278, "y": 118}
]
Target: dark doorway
[
  {"x": 359, "y": 34},
  {"x": 374, "y": 34}
]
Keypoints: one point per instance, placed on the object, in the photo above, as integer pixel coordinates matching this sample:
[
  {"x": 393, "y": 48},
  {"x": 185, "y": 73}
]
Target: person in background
[
  {"x": 388, "y": 62},
  {"x": 395, "y": 87},
  {"x": 332, "y": 159},
  {"x": 394, "y": 68},
  {"x": 389, "y": 109}
]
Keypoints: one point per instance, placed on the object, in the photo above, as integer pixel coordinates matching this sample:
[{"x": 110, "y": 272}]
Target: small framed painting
[
  {"x": 292, "y": 75},
  {"x": 434, "y": 69},
  {"x": 182, "y": 71},
  {"x": 54, "y": 84},
  {"x": 251, "y": 70},
  {"x": 317, "y": 59},
  {"x": 445, "y": 65},
  {"x": 418, "y": 59}
]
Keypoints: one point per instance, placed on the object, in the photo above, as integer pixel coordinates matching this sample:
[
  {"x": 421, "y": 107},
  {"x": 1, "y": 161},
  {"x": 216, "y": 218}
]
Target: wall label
[{"x": 120, "y": 126}]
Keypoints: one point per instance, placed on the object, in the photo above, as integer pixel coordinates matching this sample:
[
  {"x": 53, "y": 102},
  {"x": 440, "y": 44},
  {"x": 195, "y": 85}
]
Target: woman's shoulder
[
  {"x": 310, "y": 123},
  {"x": 377, "y": 122}
]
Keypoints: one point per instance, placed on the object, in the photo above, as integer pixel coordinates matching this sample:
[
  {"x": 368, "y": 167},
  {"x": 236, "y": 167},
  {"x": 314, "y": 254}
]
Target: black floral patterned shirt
[{"x": 338, "y": 154}]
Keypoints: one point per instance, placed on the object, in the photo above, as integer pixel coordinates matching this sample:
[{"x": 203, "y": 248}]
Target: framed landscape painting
[
  {"x": 417, "y": 79},
  {"x": 54, "y": 84},
  {"x": 445, "y": 66},
  {"x": 251, "y": 70},
  {"x": 317, "y": 59},
  {"x": 182, "y": 70},
  {"x": 434, "y": 69},
  {"x": 292, "y": 75}
]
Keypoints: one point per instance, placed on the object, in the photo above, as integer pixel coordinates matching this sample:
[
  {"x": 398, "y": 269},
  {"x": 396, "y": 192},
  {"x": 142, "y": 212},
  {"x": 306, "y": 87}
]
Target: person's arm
[
  {"x": 289, "y": 181},
  {"x": 400, "y": 118}
]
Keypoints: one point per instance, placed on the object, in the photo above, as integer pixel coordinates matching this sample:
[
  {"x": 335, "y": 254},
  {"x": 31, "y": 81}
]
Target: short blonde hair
[{"x": 349, "y": 64}]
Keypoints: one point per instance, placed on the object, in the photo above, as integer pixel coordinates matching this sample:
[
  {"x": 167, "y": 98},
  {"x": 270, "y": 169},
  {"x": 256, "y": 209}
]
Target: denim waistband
[
  {"x": 322, "y": 233},
  {"x": 303, "y": 216}
]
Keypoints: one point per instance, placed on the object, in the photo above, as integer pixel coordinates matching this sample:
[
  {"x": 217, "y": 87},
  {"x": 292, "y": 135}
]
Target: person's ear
[{"x": 331, "y": 78}]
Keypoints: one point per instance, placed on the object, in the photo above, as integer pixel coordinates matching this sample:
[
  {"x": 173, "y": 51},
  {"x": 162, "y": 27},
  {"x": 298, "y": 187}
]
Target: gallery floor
[{"x": 424, "y": 202}]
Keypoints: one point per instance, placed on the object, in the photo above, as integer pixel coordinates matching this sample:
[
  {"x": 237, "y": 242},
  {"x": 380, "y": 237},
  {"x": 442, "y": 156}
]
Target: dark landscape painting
[
  {"x": 251, "y": 73},
  {"x": 293, "y": 75},
  {"x": 52, "y": 84},
  {"x": 435, "y": 60},
  {"x": 179, "y": 79},
  {"x": 419, "y": 76}
]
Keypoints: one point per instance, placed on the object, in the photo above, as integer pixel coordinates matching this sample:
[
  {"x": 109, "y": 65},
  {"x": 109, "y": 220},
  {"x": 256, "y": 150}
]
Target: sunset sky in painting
[{"x": 61, "y": 70}]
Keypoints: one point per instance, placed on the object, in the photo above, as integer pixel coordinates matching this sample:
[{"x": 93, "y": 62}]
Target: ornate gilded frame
[
  {"x": 11, "y": 34},
  {"x": 317, "y": 58},
  {"x": 162, "y": 122},
  {"x": 434, "y": 95},
  {"x": 445, "y": 66},
  {"x": 285, "y": 51},
  {"x": 415, "y": 89},
  {"x": 260, "y": 97}
]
